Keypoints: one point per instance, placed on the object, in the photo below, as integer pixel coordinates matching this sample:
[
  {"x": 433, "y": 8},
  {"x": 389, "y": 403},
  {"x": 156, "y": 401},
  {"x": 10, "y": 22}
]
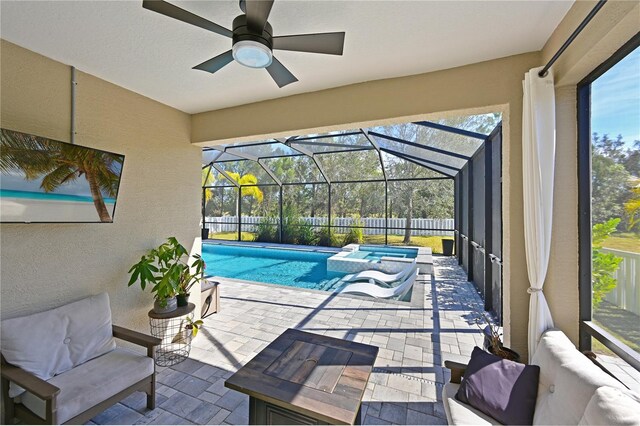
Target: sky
[
  {"x": 17, "y": 182},
  {"x": 615, "y": 100}
]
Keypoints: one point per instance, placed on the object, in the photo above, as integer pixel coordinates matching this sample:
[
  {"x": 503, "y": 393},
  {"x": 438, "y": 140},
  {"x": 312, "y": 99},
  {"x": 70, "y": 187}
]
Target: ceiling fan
[{"x": 253, "y": 40}]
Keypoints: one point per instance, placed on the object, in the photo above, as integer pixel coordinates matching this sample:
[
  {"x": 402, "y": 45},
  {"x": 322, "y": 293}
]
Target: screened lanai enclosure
[{"x": 406, "y": 184}]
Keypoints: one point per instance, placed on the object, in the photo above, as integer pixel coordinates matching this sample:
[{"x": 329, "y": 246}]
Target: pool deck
[{"x": 407, "y": 380}]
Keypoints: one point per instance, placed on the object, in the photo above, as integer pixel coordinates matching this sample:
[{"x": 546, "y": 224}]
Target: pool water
[
  {"x": 376, "y": 253},
  {"x": 295, "y": 268}
]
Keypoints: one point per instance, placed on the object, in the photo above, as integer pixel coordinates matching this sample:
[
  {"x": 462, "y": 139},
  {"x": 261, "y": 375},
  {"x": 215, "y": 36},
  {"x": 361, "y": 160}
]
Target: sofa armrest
[
  {"x": 457, "y": 370},
  {"x": 28, "y": 381},
  {"x": 135, "y": 337}
]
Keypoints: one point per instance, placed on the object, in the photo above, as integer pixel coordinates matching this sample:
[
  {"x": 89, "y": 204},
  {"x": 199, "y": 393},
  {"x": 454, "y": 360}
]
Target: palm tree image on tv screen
[{"x": 43, "y": 180}]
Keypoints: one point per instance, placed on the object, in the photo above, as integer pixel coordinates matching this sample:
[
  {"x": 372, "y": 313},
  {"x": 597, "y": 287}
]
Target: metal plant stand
[{"x": 176, "y": 339}]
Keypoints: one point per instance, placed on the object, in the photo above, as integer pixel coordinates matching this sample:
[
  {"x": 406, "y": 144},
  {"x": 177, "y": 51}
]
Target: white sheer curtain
[{"x": 538, "y": 163}]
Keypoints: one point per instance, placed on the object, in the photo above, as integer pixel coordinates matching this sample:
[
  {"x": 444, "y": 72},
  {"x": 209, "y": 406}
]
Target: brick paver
[{"x": 407, "y": 379}]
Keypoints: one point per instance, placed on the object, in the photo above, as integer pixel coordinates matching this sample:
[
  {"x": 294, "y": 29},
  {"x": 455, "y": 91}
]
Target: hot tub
[
  {"x": 378, "y": 252},
  {"x": 355, "y": 258}
]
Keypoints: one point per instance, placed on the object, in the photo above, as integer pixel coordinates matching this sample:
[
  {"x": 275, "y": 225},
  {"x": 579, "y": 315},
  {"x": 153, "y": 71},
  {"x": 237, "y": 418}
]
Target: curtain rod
[{"x": 585, "y": 21}]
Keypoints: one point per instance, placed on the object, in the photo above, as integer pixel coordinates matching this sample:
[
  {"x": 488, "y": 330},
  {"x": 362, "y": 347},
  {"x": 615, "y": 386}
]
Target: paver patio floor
[{"x": 404, "y": 387}]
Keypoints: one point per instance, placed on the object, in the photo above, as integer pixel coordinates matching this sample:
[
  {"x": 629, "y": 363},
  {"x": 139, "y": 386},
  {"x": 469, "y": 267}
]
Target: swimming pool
[
  {"x": 294, "y": 268},
  {"x": 376, "y": 253}
]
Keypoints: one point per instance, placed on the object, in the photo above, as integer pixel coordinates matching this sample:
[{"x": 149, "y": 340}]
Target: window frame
[{"x": 588, "y": 329}]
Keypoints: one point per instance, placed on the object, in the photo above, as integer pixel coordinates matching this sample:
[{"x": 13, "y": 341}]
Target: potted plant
[
  {"x": 493, "y": 343},
  {"x": 187, "y": 279},
  {"x": 166, "y": 268},
  {"x": 189, "y": 332}
]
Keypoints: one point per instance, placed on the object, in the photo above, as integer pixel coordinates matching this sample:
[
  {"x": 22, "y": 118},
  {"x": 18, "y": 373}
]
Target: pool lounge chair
[
  {"x": 382, "y": 277},
  {"x": 374, "y": 290}
]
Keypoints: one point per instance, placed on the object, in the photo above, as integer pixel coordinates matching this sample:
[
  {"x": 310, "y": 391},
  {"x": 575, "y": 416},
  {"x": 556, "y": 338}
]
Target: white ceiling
[{"x": 151, "y": 54}]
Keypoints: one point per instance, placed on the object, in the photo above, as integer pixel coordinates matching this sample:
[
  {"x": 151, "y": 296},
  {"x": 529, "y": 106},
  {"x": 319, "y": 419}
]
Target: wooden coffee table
[{"x": 305, "y": 378}]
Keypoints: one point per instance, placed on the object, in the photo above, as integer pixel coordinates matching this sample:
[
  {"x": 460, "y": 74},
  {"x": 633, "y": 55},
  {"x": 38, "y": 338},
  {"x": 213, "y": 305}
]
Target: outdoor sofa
[
  {"x": 571, "y": 390},
  {"x": 62, "y": 366}
]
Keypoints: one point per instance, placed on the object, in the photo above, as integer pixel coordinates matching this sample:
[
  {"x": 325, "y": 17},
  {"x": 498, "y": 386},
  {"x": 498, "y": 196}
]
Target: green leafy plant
[
  {"x": 604, "y": 265},
  {"x": 306, "y": 236},
  {"x": 192, "y": 325},
  {"x": 267, "y": 230},
  {"x": 189, "y": 332},
  {"x": 290, "y": 222},
  {"x": 326, "y": 237},
  {"x": 166, "y": 268},
  {"x": 356, "y": 232},
  {"x": 632, "y": 210}
]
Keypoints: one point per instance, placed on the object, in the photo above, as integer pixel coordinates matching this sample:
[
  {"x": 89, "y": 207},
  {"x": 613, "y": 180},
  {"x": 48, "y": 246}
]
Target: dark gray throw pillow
[{"x": 502, "y": 389}]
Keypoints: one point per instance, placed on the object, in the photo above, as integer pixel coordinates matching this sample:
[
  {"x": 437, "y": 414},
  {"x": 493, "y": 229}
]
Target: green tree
[
  {"x": 59, "y": 163},
  {"x": 632, "y": 209},
  {"x": 435, "y": 198},
  {"x": 609, "y": 186},
  {"x": 604, "y": 265},
  {"x": 251, "y": 192},
  {"x": 632, "y": 159},
  {"x": 610, "y": 148},
  {"x": 208, "y": 179}
]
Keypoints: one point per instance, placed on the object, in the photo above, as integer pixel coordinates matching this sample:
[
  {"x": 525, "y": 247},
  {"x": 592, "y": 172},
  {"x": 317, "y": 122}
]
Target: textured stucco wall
[
  {"x": 561, "y": 288},
  {"x": 46, "y": 265}
]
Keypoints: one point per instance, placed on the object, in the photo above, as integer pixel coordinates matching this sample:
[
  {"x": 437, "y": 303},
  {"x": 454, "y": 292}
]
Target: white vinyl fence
[
  {"x": 439, "y": 227},
  {"x": 626, "y": 295}
]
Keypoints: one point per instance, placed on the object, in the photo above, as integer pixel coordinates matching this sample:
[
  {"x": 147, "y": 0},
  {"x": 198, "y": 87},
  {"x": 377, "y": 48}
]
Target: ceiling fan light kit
[
  {"x": 252, "y": 39},
  {"x": 252, "y": 54},
  {"x": 249, "y": 48}
]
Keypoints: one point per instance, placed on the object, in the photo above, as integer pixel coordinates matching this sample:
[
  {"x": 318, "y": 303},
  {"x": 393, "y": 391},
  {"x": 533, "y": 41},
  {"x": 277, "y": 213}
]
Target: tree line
[{"x": 365, "y": 195}]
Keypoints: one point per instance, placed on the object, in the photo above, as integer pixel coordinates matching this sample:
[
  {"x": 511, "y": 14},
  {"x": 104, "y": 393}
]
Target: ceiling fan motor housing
[{"x": 241, "y": 32}]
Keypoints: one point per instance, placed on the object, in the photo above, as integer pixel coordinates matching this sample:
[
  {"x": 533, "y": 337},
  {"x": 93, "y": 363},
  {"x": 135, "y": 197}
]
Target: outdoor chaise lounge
[
  {"x": 382, "y": 277},
  {"x": 374, "y": 290}
]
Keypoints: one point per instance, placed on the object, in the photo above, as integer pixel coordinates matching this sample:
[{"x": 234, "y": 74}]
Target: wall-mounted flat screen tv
[{"x": 43, "y": 180}]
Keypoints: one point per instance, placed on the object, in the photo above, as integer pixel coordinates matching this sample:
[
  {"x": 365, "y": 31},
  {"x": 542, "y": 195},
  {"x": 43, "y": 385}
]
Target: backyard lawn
[
  {"x": 623, "y": 241},
  {"x": 620, "y": 241},
  {"x": 394, "y": 240}
]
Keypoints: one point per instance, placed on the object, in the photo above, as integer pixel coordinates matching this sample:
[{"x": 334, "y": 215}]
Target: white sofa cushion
[
  {"x": 571, "y": 390},
  {"x": 460, "y": 413},
  {"x": 52, "y": 342},
  {"x": 90, "y": 383},
  {"x": 568, "y": 380},
  {"x": 610, "y": 406}
]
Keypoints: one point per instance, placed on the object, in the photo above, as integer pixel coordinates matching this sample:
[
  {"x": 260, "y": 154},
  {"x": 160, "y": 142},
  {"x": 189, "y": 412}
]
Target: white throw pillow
[
  {"x": 611, "y": 406},
  {"x": 51, "y": 342}
]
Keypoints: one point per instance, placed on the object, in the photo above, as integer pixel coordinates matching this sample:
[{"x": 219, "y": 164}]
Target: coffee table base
[{"x": 265, "y": 413}]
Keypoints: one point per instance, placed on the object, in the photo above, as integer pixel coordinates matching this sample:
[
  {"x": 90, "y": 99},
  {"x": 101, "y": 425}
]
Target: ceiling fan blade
[
  {"x": 257, "y": 14},
  {"x": 175, "y": 12},
  {"x": 281, "y": 75},
  {"x": 214, "y": 64},
  {"x": 328, "y": 43}
]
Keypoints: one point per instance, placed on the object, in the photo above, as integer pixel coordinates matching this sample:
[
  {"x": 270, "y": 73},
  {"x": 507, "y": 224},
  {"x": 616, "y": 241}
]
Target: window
[{"x": 609, "y": 211}]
